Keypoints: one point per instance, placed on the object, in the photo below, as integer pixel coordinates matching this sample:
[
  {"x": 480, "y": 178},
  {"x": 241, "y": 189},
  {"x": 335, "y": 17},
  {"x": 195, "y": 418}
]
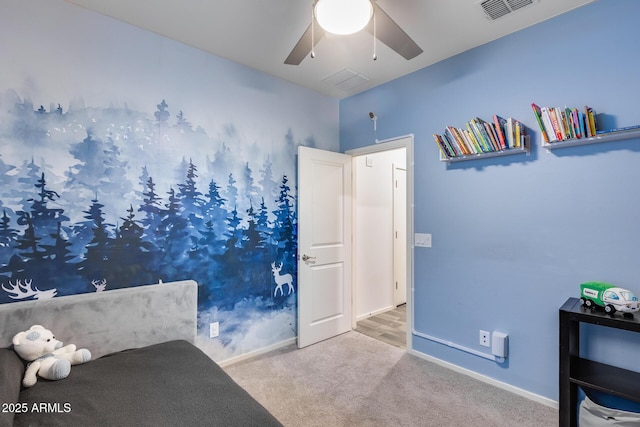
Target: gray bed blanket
[{"x": 168, "y": 384}]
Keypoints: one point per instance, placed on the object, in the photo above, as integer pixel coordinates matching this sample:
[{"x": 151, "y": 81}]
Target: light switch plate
[{"x": 423, "y": 240}]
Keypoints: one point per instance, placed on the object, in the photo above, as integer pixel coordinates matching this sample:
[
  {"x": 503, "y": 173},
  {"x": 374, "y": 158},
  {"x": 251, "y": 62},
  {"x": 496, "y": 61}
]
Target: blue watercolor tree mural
[{"x": 123, "y": 212}]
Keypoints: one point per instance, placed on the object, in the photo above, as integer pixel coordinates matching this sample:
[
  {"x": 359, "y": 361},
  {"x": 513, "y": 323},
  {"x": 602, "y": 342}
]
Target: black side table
[{"x": 576, "y": 371}]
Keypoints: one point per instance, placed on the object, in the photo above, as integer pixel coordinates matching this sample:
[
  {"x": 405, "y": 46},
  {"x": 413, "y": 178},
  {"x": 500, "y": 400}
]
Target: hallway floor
[{"x": 389, "y": 327}]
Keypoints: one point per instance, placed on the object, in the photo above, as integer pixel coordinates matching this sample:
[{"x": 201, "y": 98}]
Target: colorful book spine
[
  {"x": 584, "y": 120},
  {"x": 510, "y": 132},
  {"x": 555, "y": 123},
  {"x": 463, "y": 137},
  {"x": 568, "y": 127},
  {"x": 483, "y": 134},
  {"x": 568, "y": 122},
  {"x": 490, "y": 135},
  {"x": 461, "y": 145},
  {"x": 454, "y": 142},
  {"x": 479, "y": 137},
  {"x": 575, "y": 117},
  {"x": 546, "y": 118},
  {"x": 592, "y": 120},
  {"x": 499, "y": 124},
  {"x": 518, "y": 134},
  {"x": 476, "y": 143},
  {"x": 538, "y": 113},
  {"x": 441, "y": 145},
  {"x": 451, "y": 144},
  {"x": 467, "y": 139}
]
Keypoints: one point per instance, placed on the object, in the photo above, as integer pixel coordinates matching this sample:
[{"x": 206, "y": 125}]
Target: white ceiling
[{"x": 261, "y": 33}]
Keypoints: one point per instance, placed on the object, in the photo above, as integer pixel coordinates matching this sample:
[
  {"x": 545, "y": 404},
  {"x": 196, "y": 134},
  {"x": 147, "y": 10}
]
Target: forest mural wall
[{"x": 105, "y": 189}]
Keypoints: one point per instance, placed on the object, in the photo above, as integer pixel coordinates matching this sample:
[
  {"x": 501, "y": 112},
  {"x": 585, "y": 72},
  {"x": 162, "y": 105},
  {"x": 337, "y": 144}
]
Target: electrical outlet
[
  {"x": 214, "y": 329},
  {"x": 485, "y": 339}
]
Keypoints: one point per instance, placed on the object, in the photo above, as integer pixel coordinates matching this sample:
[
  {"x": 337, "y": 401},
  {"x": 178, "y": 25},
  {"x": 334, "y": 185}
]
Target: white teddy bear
[{"x": 49, "y": 359}]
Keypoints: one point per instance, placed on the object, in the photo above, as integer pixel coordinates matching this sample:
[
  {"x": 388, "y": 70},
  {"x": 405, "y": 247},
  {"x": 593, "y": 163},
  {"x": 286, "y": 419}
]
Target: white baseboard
[
  {"x": 374, "y": 313},
  {"x": 508, "y": 387},
  {"x": 257, "y": 352}
]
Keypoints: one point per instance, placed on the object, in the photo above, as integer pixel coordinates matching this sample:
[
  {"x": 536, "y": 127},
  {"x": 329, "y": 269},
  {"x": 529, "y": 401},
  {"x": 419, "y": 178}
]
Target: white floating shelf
[
  {"x": 604, "y": 137},
  {"x": 508, "y": 152}
]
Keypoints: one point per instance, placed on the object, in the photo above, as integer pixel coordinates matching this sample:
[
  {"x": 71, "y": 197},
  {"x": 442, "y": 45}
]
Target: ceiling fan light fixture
[{"x": 343, "y": 16}]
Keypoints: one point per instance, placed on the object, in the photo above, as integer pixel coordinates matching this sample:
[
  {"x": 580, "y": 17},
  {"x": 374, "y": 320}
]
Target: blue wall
[
  {"x": 128, "y": 159},
  {"x": 513, "y": 237}
]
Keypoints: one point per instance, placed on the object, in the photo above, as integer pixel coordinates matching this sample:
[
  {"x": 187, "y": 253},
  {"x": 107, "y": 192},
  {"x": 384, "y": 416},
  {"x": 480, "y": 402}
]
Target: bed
[{"x": 144, "y": 371}]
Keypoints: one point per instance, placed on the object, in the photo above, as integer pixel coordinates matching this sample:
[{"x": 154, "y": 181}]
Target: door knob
[{"x": 306, "y": 257}]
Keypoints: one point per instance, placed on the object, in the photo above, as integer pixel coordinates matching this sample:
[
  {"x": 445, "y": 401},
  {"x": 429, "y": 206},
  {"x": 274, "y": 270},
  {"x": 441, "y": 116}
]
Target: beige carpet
[{"x": 355, "y": 380}]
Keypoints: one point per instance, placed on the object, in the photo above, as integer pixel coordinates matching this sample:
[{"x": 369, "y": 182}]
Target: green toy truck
[{"x": 608, "y": 296}]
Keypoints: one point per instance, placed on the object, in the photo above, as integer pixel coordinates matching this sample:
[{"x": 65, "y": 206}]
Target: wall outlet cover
[
  {"x": 500, "y": 344},
  {"x": 214, "y": 329},
  {"x": 485, "y": 338}
]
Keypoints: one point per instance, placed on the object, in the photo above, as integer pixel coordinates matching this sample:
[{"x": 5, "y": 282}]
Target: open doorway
[{"x": 382, "y": 240}]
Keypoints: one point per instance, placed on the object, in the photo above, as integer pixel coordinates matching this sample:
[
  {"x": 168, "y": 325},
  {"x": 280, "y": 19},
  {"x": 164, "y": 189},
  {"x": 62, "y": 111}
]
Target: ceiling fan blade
[
  {"x": 390, "y": 33},
  {"x": 303, "y": 47}
]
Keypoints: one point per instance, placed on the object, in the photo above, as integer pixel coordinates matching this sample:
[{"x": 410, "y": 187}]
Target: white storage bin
[{"x": 594, "y": 415}]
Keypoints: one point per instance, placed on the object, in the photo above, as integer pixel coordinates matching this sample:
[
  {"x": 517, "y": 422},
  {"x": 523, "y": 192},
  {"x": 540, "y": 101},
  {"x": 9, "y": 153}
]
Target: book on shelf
[
  {"x": 546, "y": 119},
  {"x": 476, "y": 144},
  {"x": 518, "y": 134},
  {"x": 583, "y": 125},
  {"x": 453, "y": 136},
  {"x": 471, "y": 141},
  {"x": 587, "y": 122},
  {"x": 510, "y": 132},
  {"x": 483, "y": 134},
  {"x": 575, "y": 120},
  {"x": 478, "y": 136},
  {"x": 487, "y": 132},
  {"x": 444, "y": 149},
  {"x": 566, "y": 129},
  {"x": 499, "y": 124},
  {"x": 491, "y": 131},
  {"x": 571, "y": 122},
  {"x": 562, "y": 124},
  {"x": 452, "y": 143},
  {"x": 448, "y": 148},
  {"x": 555, "y": 123},
  {"x": 440, "y": 145},
  {"x": 471, "y": 148},
  {"x": 538, "y": 113},
  {"x": 588, "y": 111}
]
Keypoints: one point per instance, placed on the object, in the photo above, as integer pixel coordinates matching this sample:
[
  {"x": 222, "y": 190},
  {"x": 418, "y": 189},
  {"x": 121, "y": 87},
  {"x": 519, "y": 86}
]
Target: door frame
[
  {"x": 406, "y": 142},
  {"x": 396, "y": 205}
]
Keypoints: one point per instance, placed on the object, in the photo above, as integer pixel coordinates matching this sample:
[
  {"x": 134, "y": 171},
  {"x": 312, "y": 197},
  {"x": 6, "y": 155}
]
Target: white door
[
  {"x": 324, "y": 245},
  {"x": 399, "y": 235}
]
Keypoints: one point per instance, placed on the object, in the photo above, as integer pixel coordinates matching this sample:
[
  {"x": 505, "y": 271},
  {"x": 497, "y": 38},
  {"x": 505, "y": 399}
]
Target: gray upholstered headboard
[{"x": 109, "y": 321}]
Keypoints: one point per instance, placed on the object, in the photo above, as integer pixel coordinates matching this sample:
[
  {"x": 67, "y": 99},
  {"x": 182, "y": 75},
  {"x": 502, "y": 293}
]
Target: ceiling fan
[{"x": 379, "y": 24}]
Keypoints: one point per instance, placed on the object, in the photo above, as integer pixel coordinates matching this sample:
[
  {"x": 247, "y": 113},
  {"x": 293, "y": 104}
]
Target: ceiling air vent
[
  {"x": 347, "y": 79},
  {"x": 498, "y": 8}
]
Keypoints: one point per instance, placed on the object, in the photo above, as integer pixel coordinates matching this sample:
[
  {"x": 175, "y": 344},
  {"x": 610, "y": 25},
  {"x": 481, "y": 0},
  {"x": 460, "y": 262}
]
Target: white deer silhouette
[
  {"x": 100, "y": 285},
  {"x": 281, "y": 280},
  {"x": 25, "y": 291}
]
